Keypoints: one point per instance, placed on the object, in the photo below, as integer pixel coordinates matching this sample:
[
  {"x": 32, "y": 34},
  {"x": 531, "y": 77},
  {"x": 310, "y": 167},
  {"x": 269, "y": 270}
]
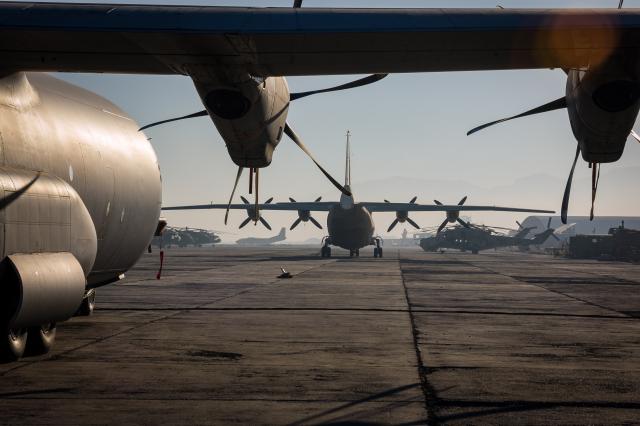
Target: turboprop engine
[
  {"x": 250, "y": 115},
  {"x": 603, "y": 105}
]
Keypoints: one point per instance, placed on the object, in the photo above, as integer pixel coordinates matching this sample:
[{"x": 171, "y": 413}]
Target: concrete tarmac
[{"x": 413, "y": 338}]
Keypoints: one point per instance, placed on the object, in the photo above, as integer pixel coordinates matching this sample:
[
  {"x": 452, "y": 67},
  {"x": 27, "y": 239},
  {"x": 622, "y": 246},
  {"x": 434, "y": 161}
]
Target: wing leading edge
[
  {"x": 371, "y": 206},
  {"x": 149, "y": 39}
]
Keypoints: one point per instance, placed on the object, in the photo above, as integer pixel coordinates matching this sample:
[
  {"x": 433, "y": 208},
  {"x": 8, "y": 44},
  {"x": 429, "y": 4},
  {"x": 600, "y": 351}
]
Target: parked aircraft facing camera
[{"x": 349, "y": 222}]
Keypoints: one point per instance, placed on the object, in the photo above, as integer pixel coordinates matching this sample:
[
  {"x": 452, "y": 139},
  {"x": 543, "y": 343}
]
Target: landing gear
[
  {"x": 355, "y": 252},
  {"x": 12, "y": 344},
  {"x": 88, "y": 304},
  {"x": 325, "y": 251},
  {"x": 377, "y": 250},
  {"x": 40, "y": 339}
]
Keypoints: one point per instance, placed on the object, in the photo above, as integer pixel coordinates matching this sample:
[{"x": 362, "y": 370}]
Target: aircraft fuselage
[
  {"x": 350, "y": 227},
  {"x": 85, "y": 146}
]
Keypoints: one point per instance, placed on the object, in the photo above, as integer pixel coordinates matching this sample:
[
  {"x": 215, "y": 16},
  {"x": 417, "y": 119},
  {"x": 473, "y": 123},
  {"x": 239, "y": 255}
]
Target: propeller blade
[
  {"x": 463, "y": 223},
  {"x": 297, "y": 221},
  {"x": 567, "y": 189},
  {"x": 269, "y": 201},
  {"x": 442, "y": 225},
  {"x": 202, "y": 113},
  {"x": 315, "y": 222},
  {"x": 462, "y": 201},
  {"x": 387, "y": 201},
  {"x": 257, "y": 192},
  {"x": 519, "y": 224},
  {"x": 265, "y": 223},
  {"x": 292, "y": 200},
  {"x": 393, "y": 225},
  {"x": 243, "y": 224},
  {"x": 635, "y": 135},
  {"x": 415, "y": 225},
  {"x": 437, "y": 202},
  {"x": 318, "y": 199},
  {"x": 551, "y": 106},
  {"x": 235, "y": 185},
  {"x": 549, "y": 223},
  {"x": 351, "y": 85},
  {"x": 294, "y": 137},
  {"x": 413, "y": 200},
  {"x": 9, "y": 199},
  {"x": 244, "y": 200},
  {"x": 297, "y": 3},
  {"x": 619, "y": 4}
]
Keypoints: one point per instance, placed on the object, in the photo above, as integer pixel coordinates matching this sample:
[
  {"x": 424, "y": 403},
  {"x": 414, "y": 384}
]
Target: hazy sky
[{"x": 408, "y": 128}]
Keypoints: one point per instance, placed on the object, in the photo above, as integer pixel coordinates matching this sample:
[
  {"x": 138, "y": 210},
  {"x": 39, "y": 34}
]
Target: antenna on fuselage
[{"x": 347, "y": 167}]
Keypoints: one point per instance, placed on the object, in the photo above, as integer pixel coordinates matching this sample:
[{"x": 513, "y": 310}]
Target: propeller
[
  {"x": 567, "y": 189},
  {"x": 561, "y": 103},
  {"x": 305, "y": 216},
  {"x": 452, "y": 216},
  {"x": 403, "y": 216},
  {"x": 9, "y": 199},
  {"x": 235, "y": 185},
  {"x": 551, "y": 106},
  {"x": 253, "y": 214},
  {"x": 288, "y": 130}
]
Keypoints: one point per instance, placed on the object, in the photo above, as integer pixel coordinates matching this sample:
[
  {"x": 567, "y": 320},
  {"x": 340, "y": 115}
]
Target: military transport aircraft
[
  {"x": 81, "y": 184},
  {"x": 254, "y": 241},
  {"x": 475, "y": 238},
  {"x": 350, "y": 223}
]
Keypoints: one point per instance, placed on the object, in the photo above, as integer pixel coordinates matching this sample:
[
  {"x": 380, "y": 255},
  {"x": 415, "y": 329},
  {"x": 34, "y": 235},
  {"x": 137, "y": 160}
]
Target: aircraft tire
[
  {"x": 13, "y": 344},
  {"x": 375, "y": 252},
  {"x": 380, "y": 252},
  {"x": 40, "y": 340},
  {"x": 88, "y": 304},
  {"x": 474, "y": 251},
  {"x": 328, "y": 251}
]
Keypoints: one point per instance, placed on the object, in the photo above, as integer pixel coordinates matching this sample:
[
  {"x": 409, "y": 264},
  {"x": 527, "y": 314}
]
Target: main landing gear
[
  {"x": 325, "y": 251},
  {"x": 377, "y": 250},
  {"x": 355, "y": 253}
]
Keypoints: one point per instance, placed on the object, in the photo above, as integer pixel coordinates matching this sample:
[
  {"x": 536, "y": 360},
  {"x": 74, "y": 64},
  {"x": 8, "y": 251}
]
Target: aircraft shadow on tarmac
[
  {"x": 352, "y": 417},
  {"x": 498, "y": 407}
]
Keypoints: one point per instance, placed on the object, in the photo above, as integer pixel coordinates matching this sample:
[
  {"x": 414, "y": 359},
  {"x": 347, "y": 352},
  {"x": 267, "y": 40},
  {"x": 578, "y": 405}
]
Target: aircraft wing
[
  {"x": 409, "y": 207},
  {"x": 153, "y": 39},
  {"x": 320, "y": 206}
]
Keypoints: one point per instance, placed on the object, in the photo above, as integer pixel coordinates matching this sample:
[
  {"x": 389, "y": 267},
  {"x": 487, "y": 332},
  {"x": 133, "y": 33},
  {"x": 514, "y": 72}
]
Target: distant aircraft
[
  {"x": 252, "y": 241},
  {"x": 184, "y": 237},
  {"x": 350, "y": 223},
  {"x": 475, "y": 238}
]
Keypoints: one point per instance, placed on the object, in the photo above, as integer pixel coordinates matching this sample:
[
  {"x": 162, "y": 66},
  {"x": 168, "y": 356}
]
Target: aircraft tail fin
[
  {"x": 283, "y": 233},
  {"x": 542, "y": 237},
  {"x": 522, "y": 233}
]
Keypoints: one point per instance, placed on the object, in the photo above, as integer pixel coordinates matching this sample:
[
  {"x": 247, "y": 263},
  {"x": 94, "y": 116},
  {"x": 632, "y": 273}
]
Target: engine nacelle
[
  {"x": 603, "y": 105},
  {"x": 48, "y": 246},
  {"x": 402, "y": 216},
  {"x": 250, "y": 115},
  {"x": 304, "y": 215},
  {"x": 452, "y": 216}
]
